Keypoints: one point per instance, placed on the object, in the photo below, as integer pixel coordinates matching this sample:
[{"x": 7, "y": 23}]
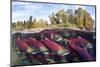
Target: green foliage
[
  {"x": 79, "y": 18},
  {"x": 20, "y": 25}
]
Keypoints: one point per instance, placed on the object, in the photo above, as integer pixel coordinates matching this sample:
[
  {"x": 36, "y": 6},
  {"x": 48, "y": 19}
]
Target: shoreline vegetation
[{"x": 79, "y": 19}]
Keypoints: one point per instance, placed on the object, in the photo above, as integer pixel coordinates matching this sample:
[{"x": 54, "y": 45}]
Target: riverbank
[{"x": 36, "y": 30}]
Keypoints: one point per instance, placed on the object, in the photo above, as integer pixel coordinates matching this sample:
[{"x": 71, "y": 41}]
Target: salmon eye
[{"x": 30, "y": 50}]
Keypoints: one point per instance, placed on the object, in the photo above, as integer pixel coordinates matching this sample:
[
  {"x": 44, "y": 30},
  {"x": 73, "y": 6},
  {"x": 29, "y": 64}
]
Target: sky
[{"x": 23, "y": 10}]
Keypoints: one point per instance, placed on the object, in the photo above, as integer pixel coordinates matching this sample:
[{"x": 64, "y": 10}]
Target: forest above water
[{"x": 76, "y": 19}]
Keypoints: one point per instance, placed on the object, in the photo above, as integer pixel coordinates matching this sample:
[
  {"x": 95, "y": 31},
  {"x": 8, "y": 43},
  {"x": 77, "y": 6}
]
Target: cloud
[
  {"x": 93, "y": 17},
  {"x": 80, "y": 6},
  {"x": 22, "y": 10}
]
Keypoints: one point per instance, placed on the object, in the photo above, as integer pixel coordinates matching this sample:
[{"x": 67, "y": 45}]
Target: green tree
[
  {"x": 13, "y": 25},
  {"x": 52, "y": 18},
  {"x": 88, "y": 21},
  {"x": 83, "y": 19},
  {"x": 30, "y": 22},
  {"x": 79, "y": 14}
]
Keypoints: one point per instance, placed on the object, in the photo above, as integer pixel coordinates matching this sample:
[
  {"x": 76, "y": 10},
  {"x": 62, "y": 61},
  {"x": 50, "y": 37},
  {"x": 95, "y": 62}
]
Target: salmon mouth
[
  {"x": 63, "y": 52},
  {"x": 66, "y": 53},
  {"x": 46, "y": 53}
]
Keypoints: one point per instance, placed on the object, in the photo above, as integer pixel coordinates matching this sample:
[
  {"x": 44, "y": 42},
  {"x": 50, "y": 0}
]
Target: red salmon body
[
  {"x": 22, "y": 45},
  {"x": 52, "y": 45}
]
